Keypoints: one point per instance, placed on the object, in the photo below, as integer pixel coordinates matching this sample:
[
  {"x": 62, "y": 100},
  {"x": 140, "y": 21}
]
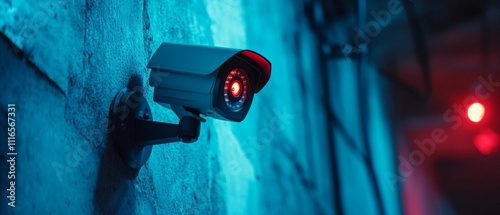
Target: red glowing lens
[{"x": 236, "y": 88}]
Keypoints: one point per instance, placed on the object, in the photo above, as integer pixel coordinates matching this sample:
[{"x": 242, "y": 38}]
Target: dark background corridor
[{"x": 366, "y": 111}]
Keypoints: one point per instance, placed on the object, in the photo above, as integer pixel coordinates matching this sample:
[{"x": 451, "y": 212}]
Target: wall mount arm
[
  {"x": 148, "y": 133},
  {"x": 134, "y": 132}
]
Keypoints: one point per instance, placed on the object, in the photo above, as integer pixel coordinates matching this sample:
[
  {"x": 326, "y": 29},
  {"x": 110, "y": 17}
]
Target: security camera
[
  {"x": 215, "y": 82},
  {"x": 193, "y": 81}
]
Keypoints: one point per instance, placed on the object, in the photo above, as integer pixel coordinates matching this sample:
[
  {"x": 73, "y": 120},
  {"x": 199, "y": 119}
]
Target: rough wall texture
[{"x": 62, "y": 62}]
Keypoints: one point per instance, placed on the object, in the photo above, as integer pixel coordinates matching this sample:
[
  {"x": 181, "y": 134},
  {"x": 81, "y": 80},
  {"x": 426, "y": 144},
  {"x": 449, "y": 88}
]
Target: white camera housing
[{"x": 212, "y": 81}]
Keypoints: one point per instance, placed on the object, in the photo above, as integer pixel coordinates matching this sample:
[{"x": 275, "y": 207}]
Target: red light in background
[
  {"x": 475, "y": 112},
  {"x": 486, "y": 141}
]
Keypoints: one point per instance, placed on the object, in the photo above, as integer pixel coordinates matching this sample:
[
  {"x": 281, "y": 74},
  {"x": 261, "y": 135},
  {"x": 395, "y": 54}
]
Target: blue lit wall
[{"x": 74, "y": 57}]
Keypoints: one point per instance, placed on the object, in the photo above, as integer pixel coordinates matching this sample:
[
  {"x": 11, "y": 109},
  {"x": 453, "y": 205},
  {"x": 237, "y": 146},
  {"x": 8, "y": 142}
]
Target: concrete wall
[{"x": 62, "y": 62}]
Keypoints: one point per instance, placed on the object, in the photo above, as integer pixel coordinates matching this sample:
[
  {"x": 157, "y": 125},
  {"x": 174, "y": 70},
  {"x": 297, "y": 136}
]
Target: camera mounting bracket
[{"x": 133, "y": 131}]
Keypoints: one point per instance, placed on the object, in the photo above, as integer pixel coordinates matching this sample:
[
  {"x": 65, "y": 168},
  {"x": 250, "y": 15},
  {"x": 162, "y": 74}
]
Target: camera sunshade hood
[{"x": 204, "y": 60}]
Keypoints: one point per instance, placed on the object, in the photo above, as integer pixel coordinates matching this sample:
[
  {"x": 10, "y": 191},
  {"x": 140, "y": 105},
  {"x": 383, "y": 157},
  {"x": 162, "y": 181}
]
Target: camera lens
[{"x": 236, "y": 89}]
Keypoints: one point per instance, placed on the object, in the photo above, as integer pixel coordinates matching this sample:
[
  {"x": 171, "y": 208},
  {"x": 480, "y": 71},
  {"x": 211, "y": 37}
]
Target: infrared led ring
[{"x": 236, "y": 89}]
